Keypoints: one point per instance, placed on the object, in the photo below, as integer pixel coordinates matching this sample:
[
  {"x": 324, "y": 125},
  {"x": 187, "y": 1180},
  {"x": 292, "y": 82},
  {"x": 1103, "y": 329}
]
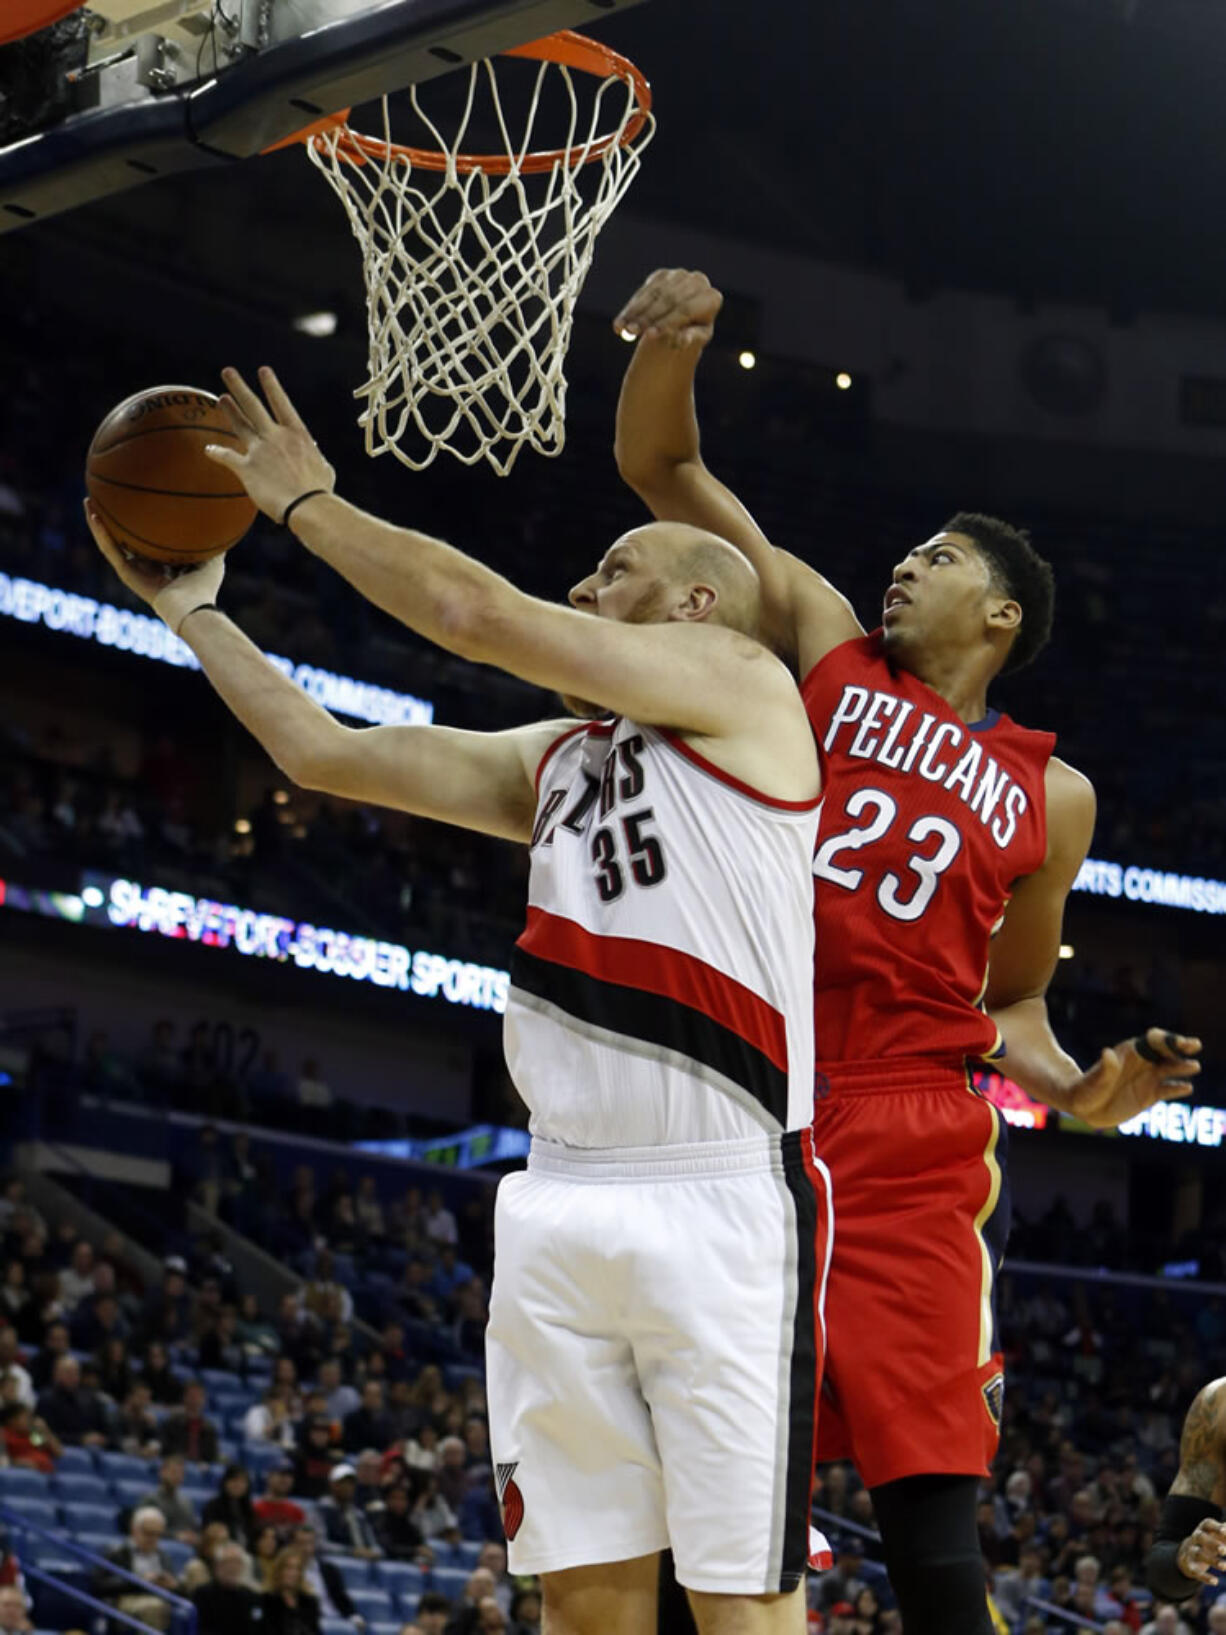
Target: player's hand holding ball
[
  {"x": 171, "y": 593},
  {"x": 276, "y": 459},
  {"x": 673, "y": 305}
]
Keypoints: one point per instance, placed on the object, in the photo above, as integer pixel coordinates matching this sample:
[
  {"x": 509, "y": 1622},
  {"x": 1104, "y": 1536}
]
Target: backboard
[{"x": 151, "y": 88}]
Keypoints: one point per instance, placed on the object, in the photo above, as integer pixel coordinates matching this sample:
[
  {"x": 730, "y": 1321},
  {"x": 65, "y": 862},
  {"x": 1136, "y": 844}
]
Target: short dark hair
[
  {"x": 434, "y": 1601},
  {"x": 1021, "y": 573}
]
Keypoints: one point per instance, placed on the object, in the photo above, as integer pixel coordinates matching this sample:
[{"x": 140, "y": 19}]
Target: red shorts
[{"x": 914, "y": 1374}]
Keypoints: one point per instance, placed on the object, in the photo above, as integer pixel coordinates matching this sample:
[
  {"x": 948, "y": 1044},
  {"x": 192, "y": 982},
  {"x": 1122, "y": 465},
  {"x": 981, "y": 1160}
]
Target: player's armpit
[{"x": 477, "y": 780}]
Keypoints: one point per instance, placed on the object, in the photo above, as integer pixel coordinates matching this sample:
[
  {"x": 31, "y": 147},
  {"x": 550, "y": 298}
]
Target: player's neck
[{"x": 961, "y": 682}]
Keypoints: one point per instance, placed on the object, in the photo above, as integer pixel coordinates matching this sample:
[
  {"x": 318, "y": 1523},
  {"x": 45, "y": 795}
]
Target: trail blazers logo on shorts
[
  {"x": 510, "y": 1499},
  {"x": 994, "y": 1397}
]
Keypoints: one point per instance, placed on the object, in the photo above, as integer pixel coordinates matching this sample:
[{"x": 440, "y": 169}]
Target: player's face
[
  {"x": 939, "y": 591},
  {"x": 626, "y": 586}
]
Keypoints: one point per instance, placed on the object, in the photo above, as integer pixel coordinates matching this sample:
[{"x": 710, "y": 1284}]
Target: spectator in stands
[
  {"x": 141, "y": 1554},
  {"x": 525, "y": 1612},
  {"x": 323, "y": 1578},
  {"x": 478, "y": 1515},
  {"x": 231, "y": 1505},
  {"x": 322, "y": 1297},
  {"x": 314, "y": 1460},
  {"x": 76, "y": 1281},
  {"x": 185, "y": 1429},
  {"x": 313, "y": 1088},
  {"x": 265, "y": 1548},
  {"x": 220, "y": 1344},
  {"x": 136, "y": 1426},
  {"x": 12, "y": 1367},
  {"x": 14, "y": 1614},
  {"x": 346, "y": 1526},
  {"x": 289, "y": 1608},
  {"x": 1166, "y": 1621},
  {"x": 369, "y": 1210},
  {"x": 493, "y": 1559},
  {"x": 341, "y": 1399},
  {"x": 164, "y": 1384},
  {"x": 97, "y": 1320},
  {"x": 434, "y": 1609},
  {"x": 178, "y": 1511},
  {"x": 55, "y": 1344},
  {"x": 453, "y": 1482},
  {"x": 272, "y": 1419},
  {"x": 14, "y": 1292},
  {"x": 27, "y": 1440},
  {"x": 370, "y": 1425},
  {"x": 466, "y": 1613},
  {"x": 440, "y": 1224},
  {"x": 227, "y": 1606},
  {"x": 432, "y": 1513},
  {"x": 369, "y": 1468},
  {"x": 275, "y": 1505},
  {"x": 114, "y": 1369},
  {"x": 843, "y": 1581},
  {"x": 256, "y": 1334},
  {"x": 168, "y": 1309},
  {"x": 71, "y": 1412},
  {"x": 397, "y": 1534}
]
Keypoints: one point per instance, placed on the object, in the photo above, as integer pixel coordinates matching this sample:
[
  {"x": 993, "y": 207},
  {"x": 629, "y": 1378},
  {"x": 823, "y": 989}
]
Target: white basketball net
[{"x": 472, "y": 278}]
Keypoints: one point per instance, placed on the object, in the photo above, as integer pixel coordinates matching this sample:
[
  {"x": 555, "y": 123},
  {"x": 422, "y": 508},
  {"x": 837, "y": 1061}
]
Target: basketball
[{"x": 155, "y": 488}]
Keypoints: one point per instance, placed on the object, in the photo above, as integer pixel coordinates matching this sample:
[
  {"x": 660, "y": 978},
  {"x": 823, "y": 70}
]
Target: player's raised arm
[
  {"x": 1129, "y": 1076},
  {"x": 684, "y": 662},
  {"x": 659, "y": 455},
  {"x": 482, "y": 781}
]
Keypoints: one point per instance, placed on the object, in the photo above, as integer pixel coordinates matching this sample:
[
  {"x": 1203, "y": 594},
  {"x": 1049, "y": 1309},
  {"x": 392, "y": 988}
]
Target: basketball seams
[
  {"x": 172, "y": 493},
  {"x": 151, "y": 431},
  {"x": 118, "y": 526}
]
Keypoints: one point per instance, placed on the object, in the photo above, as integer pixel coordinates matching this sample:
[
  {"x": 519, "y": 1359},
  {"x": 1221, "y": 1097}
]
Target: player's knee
[
  {"x": 931, "y": 1542},
  {"x": 748, "y": 1614},
  {"x": 612, "y": 1598}
]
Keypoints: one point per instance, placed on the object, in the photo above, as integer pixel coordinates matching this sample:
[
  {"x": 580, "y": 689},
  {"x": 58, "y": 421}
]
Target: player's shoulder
[
  {"x": 537, "y": 741},
  {"x": 1068, "y": 790}
]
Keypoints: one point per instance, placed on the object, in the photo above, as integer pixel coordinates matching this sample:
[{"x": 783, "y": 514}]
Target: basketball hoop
[{"x": 474, "y": 261}]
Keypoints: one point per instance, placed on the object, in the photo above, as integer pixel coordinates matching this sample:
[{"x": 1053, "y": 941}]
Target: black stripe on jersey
[
  {"x": 805, "y": 1374},
  {"x": 655, "y": 1020}
]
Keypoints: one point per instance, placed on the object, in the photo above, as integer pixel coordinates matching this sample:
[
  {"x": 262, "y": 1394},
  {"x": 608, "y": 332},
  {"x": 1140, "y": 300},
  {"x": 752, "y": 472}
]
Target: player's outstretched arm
[
  {"x": 1190, "y": 1546},
  {"x": 1129, "y": 1076},
  {"x": 482, "y": 781},
  {"x": 690, "y": 675},
  {"x": 659, "y": 455}
]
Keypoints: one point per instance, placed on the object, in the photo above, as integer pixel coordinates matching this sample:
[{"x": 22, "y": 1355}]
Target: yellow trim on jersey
[{"x": 985, "y": 1213}]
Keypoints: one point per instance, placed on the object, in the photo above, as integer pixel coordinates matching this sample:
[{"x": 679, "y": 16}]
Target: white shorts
[{"x": 654, "y": 1356}]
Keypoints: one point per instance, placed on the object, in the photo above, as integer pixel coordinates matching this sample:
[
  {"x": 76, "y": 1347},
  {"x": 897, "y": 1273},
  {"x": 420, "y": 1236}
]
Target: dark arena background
[{"x": 253, "y": 1104}]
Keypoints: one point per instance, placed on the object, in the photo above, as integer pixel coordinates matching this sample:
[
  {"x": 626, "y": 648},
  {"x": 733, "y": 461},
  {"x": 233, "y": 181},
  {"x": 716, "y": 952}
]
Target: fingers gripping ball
[{"x": 158, "y": 493}]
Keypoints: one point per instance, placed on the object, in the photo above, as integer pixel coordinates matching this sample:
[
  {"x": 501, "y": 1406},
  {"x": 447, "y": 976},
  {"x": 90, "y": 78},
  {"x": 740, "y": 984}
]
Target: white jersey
[{"x": 662, "y": 991}]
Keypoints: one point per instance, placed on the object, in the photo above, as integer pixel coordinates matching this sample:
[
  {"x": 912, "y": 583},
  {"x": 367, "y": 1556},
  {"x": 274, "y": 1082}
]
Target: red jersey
[{"x": 927, "y": 822}]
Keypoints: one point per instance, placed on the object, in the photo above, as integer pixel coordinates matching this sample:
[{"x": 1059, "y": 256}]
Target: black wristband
[
  {"x": 1182, "y": 1514},
  {"x": 294, "y": 504},
  {"x": 200, "y": 607}
]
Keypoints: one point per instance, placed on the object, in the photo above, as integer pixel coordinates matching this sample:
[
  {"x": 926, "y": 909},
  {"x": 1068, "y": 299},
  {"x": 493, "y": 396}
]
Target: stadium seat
[
  {"x": 42, "y": 1512},
  {"x": 76, "y": 1462},
  {"x": 128, "y": 1494},
  {"x": 16, "y": 1484},
  {"x": 374, "y": 1605},
  {"x": 356, "y": 1573},
  {"x": 217, "y": 1380},
  {"x": 335, "y": 1626},
  {"x": 75, "y": 1487},
  {"x": 448, "y": 1581},
  {"x": 386, "y": 1629},
  {"x": 89, "y": 1518},
  {"x": 261, "y": 1456},
  {"x": 100, "y": 1543},
  {"x": 126, "y": 1467},
  {"x": 401, "y": 1578},
  {"x": 467, "y": 1553},
  {"x": 177, "y": 1553}
]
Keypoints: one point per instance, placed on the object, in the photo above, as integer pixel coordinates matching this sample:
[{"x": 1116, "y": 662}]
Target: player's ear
[
  {"x": 1005, "y": 615},
  {"x": 697, "y": 603}
]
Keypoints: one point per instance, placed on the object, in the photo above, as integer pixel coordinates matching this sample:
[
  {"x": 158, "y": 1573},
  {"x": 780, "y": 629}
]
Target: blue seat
[
  {"x": 100, "y": 1543},
  {"x": 356, "y": 1573},
  {"x": 76, "y": 1487},
  {"x": 400, "y": 1578},
  {"x": 131, "y": 1493},
  {"x": 126, "y": 1467},
  {"x": 76, "y": 1462},
  {"x": 220, "y": 1379},
  {"x": 261, "y": 1456},
  {"x": 335, "y": 1626},
  {"x": 22, "y": 1484},
  {"x": 372, "y": 1604},
  {"x": 42, "y": 1512},
  {"x": 90, "y": 1518},
  {"x": 448, "y": 1581},
  {"x": 177, "y": 1553},
  {"x": 385, "y": 1629},
  {"x": 199, "y": 1494}
]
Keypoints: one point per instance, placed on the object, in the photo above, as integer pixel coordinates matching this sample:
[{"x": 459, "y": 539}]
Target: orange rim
[{"x": 566, "y": 48}]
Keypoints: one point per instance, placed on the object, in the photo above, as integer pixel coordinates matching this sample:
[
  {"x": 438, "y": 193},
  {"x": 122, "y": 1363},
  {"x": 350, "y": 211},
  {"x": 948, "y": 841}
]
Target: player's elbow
[
  {"x": 322, "y": 764},
  {"x": 651, "y": 472}
]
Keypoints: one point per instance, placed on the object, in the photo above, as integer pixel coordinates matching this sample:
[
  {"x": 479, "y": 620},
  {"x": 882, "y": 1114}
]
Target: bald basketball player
[
  {"x": 655, "y": 1318},
  {"x": 950, "y": 838},
  {"x": 1190, "y": 1547}
]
